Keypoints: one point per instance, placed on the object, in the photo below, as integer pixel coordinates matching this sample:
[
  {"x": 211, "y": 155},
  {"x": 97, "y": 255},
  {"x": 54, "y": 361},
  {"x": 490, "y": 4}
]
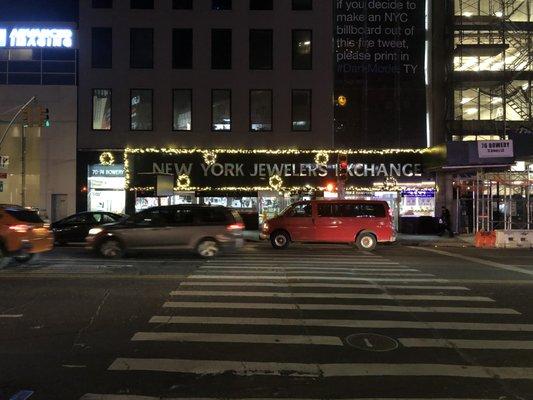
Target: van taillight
[
  {"x": 232, "y": 227},
  {"x": 20, "y": 228}
]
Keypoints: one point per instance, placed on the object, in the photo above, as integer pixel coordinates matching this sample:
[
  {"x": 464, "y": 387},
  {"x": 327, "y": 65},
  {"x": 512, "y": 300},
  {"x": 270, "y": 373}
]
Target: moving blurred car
[
  {"x": 22, "y": 234},
  {"x": 363, "y": 222},
  {"x": 203, "y": 229},
  {"x": 75, "y": 228}
]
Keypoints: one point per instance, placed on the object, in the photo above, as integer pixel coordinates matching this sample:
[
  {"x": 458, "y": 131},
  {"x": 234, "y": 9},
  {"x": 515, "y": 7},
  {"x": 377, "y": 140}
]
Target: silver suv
[{"x": 206, "y": 230}]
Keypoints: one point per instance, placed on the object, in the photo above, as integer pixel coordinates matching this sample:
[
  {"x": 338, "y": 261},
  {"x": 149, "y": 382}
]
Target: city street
[{"x": 313, "y": 321}]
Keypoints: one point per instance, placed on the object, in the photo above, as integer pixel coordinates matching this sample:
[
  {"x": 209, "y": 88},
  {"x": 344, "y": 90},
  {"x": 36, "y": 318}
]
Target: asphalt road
[{"x": 317, "y": 322}]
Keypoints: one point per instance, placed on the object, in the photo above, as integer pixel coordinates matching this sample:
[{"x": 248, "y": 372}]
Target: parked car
[
  {"x": 203, "y": 229},
  {"x": 22, "y": 234},
  {"x": 362, "y": 222},
  {"x": 75, "y": 228}
]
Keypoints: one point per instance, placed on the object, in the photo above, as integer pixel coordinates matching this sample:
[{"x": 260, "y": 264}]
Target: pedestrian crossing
[{"x": 280, "y": 326}]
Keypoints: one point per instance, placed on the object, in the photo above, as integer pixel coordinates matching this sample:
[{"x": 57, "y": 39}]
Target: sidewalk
[{"x": 406, "y": 240}]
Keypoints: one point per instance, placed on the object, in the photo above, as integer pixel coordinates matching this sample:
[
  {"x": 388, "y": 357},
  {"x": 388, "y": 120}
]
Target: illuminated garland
[
  {"x": 183, "y": 182},
  {"x": 209, "y": 157},
  {"x": 277, "y": 151},
  {"x": 275, "y": 182},
  {"x": 107, "y": 158},
  {"x": 322, "y": 158}
]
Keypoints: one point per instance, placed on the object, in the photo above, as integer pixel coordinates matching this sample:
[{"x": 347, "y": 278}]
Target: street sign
[{"x": 4, "y": 162}]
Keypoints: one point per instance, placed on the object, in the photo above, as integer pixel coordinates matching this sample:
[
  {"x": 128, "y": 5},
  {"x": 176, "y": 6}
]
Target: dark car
[
  {"x": 75, "y": 228},
  {"x": 203, "y": 229}
]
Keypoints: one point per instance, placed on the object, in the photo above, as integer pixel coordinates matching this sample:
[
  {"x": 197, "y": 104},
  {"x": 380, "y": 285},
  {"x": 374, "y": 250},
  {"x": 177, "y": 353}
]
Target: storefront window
[
  {"x": 101, "y": 109},
  {"x": 106, "y": 188},
  {"x": 141, "y": 110}
]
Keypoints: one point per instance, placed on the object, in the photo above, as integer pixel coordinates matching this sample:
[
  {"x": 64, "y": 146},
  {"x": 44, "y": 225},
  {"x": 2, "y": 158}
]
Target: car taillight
[
  {"x": 20, "y": 228},
  {"x": 232, "y": 227},
  {"x": 390, "y": 212}
]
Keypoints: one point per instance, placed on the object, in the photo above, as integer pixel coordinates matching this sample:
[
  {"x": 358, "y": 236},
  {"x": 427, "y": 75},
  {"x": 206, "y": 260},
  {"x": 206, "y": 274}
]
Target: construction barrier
[
  {"x": 513, "y": 239},
  {"x": 484, "y": 239}
]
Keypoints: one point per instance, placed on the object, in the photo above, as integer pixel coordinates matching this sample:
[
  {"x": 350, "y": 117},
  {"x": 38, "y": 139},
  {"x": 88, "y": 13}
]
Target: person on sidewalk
[{"x": 446, "y": 222}]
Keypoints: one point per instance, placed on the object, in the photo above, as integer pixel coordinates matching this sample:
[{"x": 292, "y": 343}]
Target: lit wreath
[
  {"x": 322, "y": 158},
  {"x": 390, "y": 183},
  {"x": 183, "y": 182},
  {"x": 275, "y": 182},
  {"x": 209, "y": 157},
  {"x": 106, "y": 158}
]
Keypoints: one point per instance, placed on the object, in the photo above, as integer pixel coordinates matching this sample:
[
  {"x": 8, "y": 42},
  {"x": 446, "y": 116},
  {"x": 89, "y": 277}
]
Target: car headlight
[
  {"x": 265, "y": 226},
  {"x": 95, "y": 231}
]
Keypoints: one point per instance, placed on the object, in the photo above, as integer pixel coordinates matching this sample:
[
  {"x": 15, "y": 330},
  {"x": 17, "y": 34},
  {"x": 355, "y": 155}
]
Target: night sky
[{"x": 38, "y": 10}]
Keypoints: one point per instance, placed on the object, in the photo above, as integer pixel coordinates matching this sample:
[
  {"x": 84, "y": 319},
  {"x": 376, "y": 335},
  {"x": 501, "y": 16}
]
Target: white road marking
[
  {"x": 237, "y": 338},
  {"x": 92, "y": 396},
  {"x": 315, "y": 273},
  {"x": 245, "y": 368},
  {"x": 303, "y": 262},
  {"x": 323, "y": 278},
  {"x": 330, "y": 269},
  {"x": 384, "y": 296},
  {"x": 479, "y": 261},
  {"x": 11, "y": 315},
  {"x": 468, "y": 344},
  {"x": 324, "y": 285},
  {"x": 340, "y": 307},
  {"x": 344, "y": 323}
]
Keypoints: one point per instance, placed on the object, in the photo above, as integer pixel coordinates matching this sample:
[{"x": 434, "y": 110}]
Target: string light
[
  {"x": 183, "y": 182},
  {"x": 275, "y": 182},
  {"x": 322, "y": 158},
  {"x": 209, "y": 157},
  {"x": 107, "y": 158}
]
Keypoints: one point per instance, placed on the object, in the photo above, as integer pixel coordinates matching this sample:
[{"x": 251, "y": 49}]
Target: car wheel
[
  {"x": 25, "y": 258},
  {"x": 366, "y": 241},
  {"x": 207, "y": 248},
  {"x": 111, "y": 249},
  {"x": 280, "y": 240}
]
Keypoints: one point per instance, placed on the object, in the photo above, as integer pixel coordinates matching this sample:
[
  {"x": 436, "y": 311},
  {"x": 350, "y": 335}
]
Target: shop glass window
[
  {"x": 102, "y": 48},
  {"x": 302, "y": 5},
  {"x": 142, "y": 4},
  {"x": 261, "y": 49},
  {"x": 101, "y": 110},
  {"x": 221, "y": 49},
  {"x": 221, "y": 4},
  {"x": 141, "y": 48},
  {"x": 182, "y": 50},
  {"x": 141, "y": 110},
  {"x": 182, "y": 4},
  {"x": 301, "y": 110},
  {"x": 301, "y": 211},
  {"x": 261, "y": 4},
  {"x": 221, "y": 110},
  {"x": 302, "y": 49},
  {"x": 260, "y": 110},
  {"x": 182, "y": 110},
  {"x": 102, "y": 3}
]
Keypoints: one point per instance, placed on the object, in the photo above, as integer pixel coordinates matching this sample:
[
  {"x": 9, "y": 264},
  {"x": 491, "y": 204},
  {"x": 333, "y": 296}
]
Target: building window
[
  {"x": 221, "y": 49},
  {"x": 142, "y": 4},
  {"x": 302, "y": 5},
  {"x": 182, "y": 4},
  {"x": 102, "y": 48},
  {"x": 141, "y": 110},
  {"x": 141, "y": 48},
  {"x": 302, "y": 49},
  {"x": 182, "y": 48},
  {"x": 102, "y": 3},
  {"x": 261, "y": 4},
  {"x": 301, "y": 110},
  {"x": 182, "y": 110},
  {"x": 260, "y": 110},
  {"x": 221, "y": 110},
  {"x": 261, "y": 49},
  {"x": 221, "y": 4},
  {"x": 101, "y": 110}
]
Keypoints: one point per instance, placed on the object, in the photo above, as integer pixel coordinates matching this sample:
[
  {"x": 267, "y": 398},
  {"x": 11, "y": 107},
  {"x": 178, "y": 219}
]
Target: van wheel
[
  {"x": 111, "y": 249},
  {"x": 280, "y": 240},
  {"x": 366, "y": 241},
  {"x": 207, "y": 248}
]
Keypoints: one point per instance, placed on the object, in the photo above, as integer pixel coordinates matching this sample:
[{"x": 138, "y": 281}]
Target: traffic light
[
  {"x": 44, "y": 116},
  {"x": 342, "y": 167}
]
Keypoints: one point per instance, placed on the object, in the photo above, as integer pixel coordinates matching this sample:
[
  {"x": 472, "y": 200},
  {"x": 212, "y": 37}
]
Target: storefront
[
  {"x": 106, "y": 188},
  {"x": 260, "y": 183}
]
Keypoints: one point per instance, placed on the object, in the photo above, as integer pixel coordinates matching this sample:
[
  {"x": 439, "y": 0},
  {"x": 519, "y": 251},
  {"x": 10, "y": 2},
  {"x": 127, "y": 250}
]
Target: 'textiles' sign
[{"x": 29, "y": 37}]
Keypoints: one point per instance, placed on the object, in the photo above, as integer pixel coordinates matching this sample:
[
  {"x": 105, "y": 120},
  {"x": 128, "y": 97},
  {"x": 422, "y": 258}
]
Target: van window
[
  {"x": 350, "y": 210},
  {"x": 24, "y": 215},
  {"x": 370, "y": 210},
  {"x": 212, "y": 216},
  {"x": 300, "y": 210}
]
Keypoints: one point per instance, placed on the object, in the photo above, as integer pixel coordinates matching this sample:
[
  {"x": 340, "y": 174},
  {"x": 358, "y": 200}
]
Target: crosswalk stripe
[
  {"x": 237, "y": 338},
  {"x": 331, "y": 269},
  {"x": 304, "y": 262},
  {"x": 383, "y": 296},
  {"x": 92, "y": 396},
  {"x": 311, "y": 278},
  {"x": 245, "y": 368},
  {"x": 340, "y": 307},
  {"x": 11, "y": 315},
  {"x": 468, "y": 344},
  {"x": 316, "y": 273},
  {"x": 324, "y": 285},
  {"x": 344, "y": 323}
]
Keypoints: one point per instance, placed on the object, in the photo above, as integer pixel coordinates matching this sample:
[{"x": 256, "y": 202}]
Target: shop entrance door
[{"x": 59, "y": 206}]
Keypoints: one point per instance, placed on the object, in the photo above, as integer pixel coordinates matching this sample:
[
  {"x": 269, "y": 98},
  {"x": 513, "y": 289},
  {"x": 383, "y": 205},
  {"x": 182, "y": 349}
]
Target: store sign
[
  {"x": 495, "y": 149},
  {"x": 28, "y": 37},
  {"x": 109, "y": 171}
]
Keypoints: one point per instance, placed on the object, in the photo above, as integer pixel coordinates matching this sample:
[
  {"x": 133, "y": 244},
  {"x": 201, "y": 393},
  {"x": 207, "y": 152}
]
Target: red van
[{"x": 363, "y": 222}]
